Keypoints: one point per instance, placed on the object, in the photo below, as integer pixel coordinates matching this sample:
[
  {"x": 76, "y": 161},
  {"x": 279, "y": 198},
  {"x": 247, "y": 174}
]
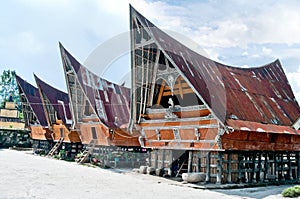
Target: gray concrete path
[{"x": 23, "y": 175}]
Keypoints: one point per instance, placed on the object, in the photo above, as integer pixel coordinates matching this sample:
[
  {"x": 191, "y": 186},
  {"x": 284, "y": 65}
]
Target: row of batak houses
[{"x": 189, "y": 113}]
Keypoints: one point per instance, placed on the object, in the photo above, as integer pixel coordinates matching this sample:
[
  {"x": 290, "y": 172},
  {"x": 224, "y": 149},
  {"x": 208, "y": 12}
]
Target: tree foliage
[{"x": 9, "y": 88}]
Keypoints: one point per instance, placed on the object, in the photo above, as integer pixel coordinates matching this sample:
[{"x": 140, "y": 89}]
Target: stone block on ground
[
  {"x": 143, "y": 169},
  {"x": 194, "y": 177},
  {"x": 136, "y": 170},
  {"x": 159, "y": 172},
  {"x": 150, "y": 171}
]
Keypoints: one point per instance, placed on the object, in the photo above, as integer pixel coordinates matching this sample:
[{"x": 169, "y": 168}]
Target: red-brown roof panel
[
  {"x": 33, "y": 98},
  {"x": 56, "y": 98},
  {"x": 259, "y": 127},
  {"x": 112, "y": 106}
]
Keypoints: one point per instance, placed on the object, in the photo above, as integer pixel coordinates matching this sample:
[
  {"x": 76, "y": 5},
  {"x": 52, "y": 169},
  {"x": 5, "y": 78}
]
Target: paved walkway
[{"x": 24, "y": 175}]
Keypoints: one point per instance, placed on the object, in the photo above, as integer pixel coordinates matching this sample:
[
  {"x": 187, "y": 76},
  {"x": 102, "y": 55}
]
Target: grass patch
[{"x": 291, "y": 192}]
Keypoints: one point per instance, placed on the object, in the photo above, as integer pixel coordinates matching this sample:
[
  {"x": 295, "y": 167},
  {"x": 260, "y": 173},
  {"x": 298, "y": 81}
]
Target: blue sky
[{"x": 233, "y": 32}]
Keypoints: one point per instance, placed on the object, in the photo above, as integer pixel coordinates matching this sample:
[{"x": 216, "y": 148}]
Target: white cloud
[
  {"x": 293, "y": 78},
  {"x": 272, "y": 22},
  {"x": 266, "y": 51},
  {"x": 245, "y": 53}
]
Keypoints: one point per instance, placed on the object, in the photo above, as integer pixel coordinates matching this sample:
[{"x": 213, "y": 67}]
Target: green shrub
[
  {"x": 62, "y": 154},
  {"x": 291, "y": 192}
]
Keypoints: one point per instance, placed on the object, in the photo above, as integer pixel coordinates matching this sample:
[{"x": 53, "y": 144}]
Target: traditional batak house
[
  {"x": 100, "y": 109},
  {"x": 34, "y": 116},
  {"x": 232, "y": 124},
  {"x": 59, "y": 119}
]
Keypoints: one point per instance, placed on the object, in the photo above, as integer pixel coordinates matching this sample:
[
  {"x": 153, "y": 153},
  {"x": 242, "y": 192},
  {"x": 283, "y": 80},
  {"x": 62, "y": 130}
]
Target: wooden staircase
[
  {"x": 55, "y": 147},
  {"x": 89, "y": 150},
  {"x": 183, "y": 168}
]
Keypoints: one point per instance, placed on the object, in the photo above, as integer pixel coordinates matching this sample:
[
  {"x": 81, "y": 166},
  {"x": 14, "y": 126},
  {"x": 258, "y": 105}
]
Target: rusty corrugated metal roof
[
  {"x": 110, "y": 101},
  {"x": 261, "y": 94},
  {"x": 259, "y": 127},
  {"x": 56, "y": 98},
  {"x": 32, "y": 95}
]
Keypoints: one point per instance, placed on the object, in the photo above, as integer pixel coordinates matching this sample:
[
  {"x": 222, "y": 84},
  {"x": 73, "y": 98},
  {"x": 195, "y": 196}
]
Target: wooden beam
[
  {"x": 161, "y": 92},
  {"x": 180, "y": 88},
  {"x": 185, "y": 91},
  {"x": 177, "y": 86}
]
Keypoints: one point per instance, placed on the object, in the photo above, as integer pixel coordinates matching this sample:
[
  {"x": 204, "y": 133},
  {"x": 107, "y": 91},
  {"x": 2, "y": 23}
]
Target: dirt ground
[{"x": 23, "y": 175}]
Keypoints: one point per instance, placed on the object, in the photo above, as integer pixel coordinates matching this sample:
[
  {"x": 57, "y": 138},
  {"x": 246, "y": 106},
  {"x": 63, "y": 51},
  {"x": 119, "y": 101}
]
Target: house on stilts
[
  {"x": 100, "y": 111},
  {"x": 198, "y": 115},
  {"x": 34, "y": 116},
  {"x": 59, "y": 119}
]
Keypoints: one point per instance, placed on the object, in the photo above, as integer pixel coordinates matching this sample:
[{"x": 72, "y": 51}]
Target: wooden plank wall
[
  {"x": 260, "y": 167},
  {"x": 232, "y": 166}
]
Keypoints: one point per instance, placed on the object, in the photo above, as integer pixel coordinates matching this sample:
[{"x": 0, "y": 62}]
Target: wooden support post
[
  {"x": 229, "y": 168},
  {"x": 180, "y": 88},
  {"x": 290, "y": 175},
  {"x": 39, "y": 144},
  {"x": 281, "y": 168},
  {"x": 155, "y": 159},
  {"x": 219, "y": 168},
  {"x": 170, "y": 162},
  {"x": 161, "y": 92},
  {"x": 197, "y": 162},
  {"x": 207, "y": 167},
  {"x": 276, "y": 167},
  {"x": 253, "y": 176},
  {"x": 190, "y": 161},
  {"x": 240, "y": 166},
  {"x": 273, "y": 165},
  {"x": 247, "y": 176},
  {"x": 163, "y": 159},
  {"x": 266, "y": 167},
  {"x": 200, "y": 160},
  {"x": 150, "y": 159},
  {"x": 298, "y": 165},
  {"x": 260, "y": 168}
]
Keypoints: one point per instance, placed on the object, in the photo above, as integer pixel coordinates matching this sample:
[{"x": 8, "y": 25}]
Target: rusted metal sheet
[
  {"x": 33, "y": 99},
  {"x": 240, "y": 125},
  {"x": 261, "y": 94},
  {"x": 59, "y": 100}
]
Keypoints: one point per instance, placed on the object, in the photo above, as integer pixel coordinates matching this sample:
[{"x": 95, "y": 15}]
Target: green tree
[{"x": 9, "y": 88}]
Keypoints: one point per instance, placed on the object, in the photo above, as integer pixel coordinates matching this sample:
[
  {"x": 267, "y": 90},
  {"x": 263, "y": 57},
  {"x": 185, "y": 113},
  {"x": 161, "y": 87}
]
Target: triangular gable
[
  {"x": 31, "y": 103},
  {"x": 56, "y": 102},
  {"x": 296, "y": 125},
  {"x": 108, "y": 101},
  {"x": 260, "y": 94}
]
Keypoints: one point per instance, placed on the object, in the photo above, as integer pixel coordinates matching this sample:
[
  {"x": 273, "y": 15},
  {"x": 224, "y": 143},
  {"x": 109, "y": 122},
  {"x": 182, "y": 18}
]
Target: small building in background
[
  {"x": 34, "y": 116},
  {"x": 12, "y": 129}
]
